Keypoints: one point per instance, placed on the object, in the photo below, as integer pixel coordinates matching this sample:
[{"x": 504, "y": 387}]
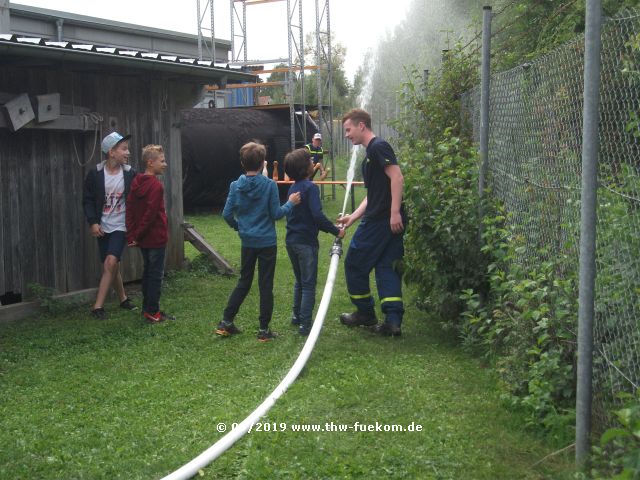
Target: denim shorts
[{"x": 112, "y": 244}]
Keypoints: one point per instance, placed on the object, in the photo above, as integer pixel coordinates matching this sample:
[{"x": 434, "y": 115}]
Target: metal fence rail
[{"x": 534, "y": 168}]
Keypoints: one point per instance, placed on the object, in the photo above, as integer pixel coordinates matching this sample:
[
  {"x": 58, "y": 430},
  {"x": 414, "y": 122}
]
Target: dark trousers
[
  {"x": 266, "y": 260},
  {"x": 374, "y": 246},
  {"x": 152, "y": 278},
  {"x": 304, "y": 260}
]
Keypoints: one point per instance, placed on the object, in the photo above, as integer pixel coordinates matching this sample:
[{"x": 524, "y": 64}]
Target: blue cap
[{"x": 111, "y": 140}]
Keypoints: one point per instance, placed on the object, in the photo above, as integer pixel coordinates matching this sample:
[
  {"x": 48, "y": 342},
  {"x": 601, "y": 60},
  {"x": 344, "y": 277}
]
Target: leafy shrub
[
  {"x": 527, "y": 326},
  {"x": 443, "y": 249},
  {"x": 618, "y": 455}
]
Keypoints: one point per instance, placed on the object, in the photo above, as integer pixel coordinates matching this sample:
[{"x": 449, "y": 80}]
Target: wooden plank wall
[{"x": 43, "y": 234}]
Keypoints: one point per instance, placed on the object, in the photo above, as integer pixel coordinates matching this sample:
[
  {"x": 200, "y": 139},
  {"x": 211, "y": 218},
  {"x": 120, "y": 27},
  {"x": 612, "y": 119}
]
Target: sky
[{"x": 356, "y": 24}]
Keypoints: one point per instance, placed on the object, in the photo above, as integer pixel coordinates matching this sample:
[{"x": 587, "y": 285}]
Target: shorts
[{"x": 112, "y": 244}]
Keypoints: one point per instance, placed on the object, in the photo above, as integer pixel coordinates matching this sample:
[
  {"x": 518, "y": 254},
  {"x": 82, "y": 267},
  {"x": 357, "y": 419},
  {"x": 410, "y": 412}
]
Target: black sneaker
[
  {"x": 295, "y": 320},
  {"x": 166, "y": 316},
  {"x": 304, "y": 330},
  {"x": 226, "y": 329},
  {"x": 127, "y": 304},
  {"x": 357, "y": 318},
  {"x": 266, "y": 335},
  {"x": 387, "y": 330},
  {"x": 99, "y": 313}
]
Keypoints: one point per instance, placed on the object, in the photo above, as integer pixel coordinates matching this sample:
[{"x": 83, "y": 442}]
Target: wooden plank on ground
[
  {"x": 198, "y": 241},
  {"x": 18, "y": 311}
]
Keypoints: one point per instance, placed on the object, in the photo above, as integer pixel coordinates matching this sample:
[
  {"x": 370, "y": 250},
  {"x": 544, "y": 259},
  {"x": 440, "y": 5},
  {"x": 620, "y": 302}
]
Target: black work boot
[{"x": 358, "y": 318}]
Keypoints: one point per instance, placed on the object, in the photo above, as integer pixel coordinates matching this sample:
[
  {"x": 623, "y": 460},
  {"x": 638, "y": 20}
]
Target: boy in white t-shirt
[{"x": 105, "y": 192}]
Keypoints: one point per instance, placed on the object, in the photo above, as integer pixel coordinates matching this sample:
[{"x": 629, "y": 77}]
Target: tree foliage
[
  {"x": 343, "y": 94},
  {"x": 417, "y": 43},
  {"x": 523, "y": 29},
  {"x": 521, "y": 317}
]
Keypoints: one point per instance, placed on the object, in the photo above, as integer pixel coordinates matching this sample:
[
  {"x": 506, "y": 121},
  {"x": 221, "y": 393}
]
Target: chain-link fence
[{"x": 534, "y": 168}]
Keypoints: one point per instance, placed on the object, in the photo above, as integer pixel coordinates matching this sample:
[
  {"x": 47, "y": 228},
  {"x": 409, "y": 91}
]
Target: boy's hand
[
  {"x": 341, "y": 232},
  {"x": 95, "y": 230},
  {"x": 132, "y": 243},
  {"x": 295, "y": 198}
]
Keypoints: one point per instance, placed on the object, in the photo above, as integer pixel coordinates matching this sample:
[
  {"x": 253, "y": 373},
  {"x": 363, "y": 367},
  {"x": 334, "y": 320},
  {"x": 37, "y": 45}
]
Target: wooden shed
[{"x": 80, "y": 93}]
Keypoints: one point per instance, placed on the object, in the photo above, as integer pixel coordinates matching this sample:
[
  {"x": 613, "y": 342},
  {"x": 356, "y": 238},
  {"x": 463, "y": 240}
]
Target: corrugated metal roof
[
  {"x": 69, "y": 18},
  {"x": 197, "y": 70}
]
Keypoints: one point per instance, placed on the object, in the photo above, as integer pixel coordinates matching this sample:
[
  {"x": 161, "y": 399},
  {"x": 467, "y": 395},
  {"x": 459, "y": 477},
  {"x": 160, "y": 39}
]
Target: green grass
[{"x": 122, "y": 399}]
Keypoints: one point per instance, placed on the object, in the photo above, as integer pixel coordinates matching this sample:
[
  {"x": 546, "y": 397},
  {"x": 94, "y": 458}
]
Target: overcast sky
[{"x": 357, "y": 24}]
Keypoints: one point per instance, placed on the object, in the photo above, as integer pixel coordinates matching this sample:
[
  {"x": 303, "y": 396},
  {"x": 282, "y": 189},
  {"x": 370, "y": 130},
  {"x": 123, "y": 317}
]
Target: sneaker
[
  {"x": 304, "y": 331},
  {"x": 153, "y": 317},
  {"x": 166, "y": 316},
  {"x": 387, "y": 330},
  {"x": 295, "y": 320},
  {"x": 127, "y": 304},
  {"x": 99, "y": 313},
  {"x": 266, "y": 335},
  {"x": 226, "y": 329},
  {"x": 358, "y": 318}
]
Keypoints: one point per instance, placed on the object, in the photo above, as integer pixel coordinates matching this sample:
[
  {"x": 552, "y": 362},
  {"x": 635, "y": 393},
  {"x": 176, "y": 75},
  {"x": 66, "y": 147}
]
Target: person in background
[
  {"x": 252, "y": 207},
  {"x": 304, "y": 222},
  {"x": 317, "y": 155},
  {"x": 147, "y": 228},
  {"x": 377, "y": 243},
  {"x": 103, "y": 200}
]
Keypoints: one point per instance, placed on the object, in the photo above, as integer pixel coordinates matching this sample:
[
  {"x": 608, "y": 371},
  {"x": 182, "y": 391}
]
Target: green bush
[
  {"x": 526, "y": 325},
  {"x": 618, "y": 455},
  {"x": 521, "y": 317},
  {"x": 443, "y": 249}
]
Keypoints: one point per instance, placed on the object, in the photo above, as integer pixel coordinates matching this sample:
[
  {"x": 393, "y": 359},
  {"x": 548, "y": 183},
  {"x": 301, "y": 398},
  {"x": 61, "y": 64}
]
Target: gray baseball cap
[{"x": 111, "y": 140}]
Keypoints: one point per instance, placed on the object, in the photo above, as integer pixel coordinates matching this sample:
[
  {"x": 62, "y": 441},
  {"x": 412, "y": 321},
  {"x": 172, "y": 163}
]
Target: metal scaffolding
[
  {"x": 294, "y": 84},
  {"x": 211, "y": 28}
]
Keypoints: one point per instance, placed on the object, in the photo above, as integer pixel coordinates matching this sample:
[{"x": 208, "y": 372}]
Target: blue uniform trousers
[{"x": 374, "y": 246}]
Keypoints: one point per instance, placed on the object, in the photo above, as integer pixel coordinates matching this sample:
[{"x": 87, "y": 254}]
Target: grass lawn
[{"x": 82, "y": 399}]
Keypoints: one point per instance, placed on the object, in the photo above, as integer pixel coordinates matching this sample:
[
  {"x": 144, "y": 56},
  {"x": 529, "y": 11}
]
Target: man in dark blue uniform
[
  {"x": 317, "y": 154},
  {"x": 377, "y": 243}
]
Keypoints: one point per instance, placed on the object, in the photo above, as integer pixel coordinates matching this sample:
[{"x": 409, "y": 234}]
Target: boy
[
  {"x": 251, "y": 209},
  {"x": 303, "y": 224},
  {"x": 103, "y": 201},
  {"x": 377, "y": 243},
  {"x": 147, "y": 228}
]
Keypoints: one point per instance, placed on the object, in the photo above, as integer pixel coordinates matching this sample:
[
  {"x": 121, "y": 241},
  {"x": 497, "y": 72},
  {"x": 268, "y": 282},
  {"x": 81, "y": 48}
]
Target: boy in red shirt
[{"x": 147, "y": 228}]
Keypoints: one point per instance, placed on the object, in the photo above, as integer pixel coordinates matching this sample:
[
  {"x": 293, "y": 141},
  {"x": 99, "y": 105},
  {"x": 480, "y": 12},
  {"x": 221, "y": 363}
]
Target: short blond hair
[{"x": 151, "y": 152}]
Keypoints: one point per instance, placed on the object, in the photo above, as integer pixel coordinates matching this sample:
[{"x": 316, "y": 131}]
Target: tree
[
  {"x": 524, "y": 30},
  {"x": 343, "y": 94},
  {"x": 417, "y": 42}
]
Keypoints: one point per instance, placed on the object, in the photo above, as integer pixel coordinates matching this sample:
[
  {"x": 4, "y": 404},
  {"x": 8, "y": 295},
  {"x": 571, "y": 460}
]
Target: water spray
[
  {"x": 191, "y": 469},
  {"x": 350, "y": 174}
]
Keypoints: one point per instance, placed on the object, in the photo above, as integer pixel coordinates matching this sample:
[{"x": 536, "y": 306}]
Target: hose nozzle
[{"x": 336, "y": 248}]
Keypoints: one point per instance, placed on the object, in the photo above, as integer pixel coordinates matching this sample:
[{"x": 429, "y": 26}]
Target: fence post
[
  {"x": 588, "y": 204},
  {"x": 484, "y": 108}
]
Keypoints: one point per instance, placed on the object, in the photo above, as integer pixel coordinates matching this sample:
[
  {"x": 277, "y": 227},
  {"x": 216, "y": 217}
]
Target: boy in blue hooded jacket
[{"x": 252, "y": 207}]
